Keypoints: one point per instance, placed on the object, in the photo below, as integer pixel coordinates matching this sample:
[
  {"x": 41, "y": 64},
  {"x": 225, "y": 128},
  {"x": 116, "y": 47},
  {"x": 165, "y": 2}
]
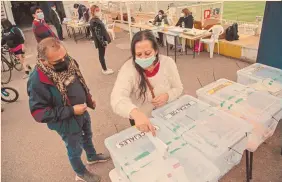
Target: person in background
[
  {"x": 14, "y": 38},
  {"x": 147, "y": 81},
  {"x": 56, "y": 21},
  {"x": 86, "y": 18},
  {"x": 79, "y": 8},
  {"x": 161, "y": 17},
  {"x": 186, "y": 18},
  {"x": 100, "y": 36},
  {"x": 59, "y": 97},
  {"x": 40, "y": 28}
]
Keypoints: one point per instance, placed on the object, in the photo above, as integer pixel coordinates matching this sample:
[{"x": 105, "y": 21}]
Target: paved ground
[{"x": 33, "y": 153}]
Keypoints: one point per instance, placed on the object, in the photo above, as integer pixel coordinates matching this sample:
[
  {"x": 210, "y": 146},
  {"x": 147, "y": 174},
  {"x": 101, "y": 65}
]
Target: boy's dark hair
[
  {"x": 75, "y": 5},
  {"x": 33, "y": 9}
]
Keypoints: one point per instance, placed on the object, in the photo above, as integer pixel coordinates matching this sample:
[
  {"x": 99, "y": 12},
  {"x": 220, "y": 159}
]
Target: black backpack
[
  {"x": 22, "y": 39},
  {"x": 232, "y": 32}
]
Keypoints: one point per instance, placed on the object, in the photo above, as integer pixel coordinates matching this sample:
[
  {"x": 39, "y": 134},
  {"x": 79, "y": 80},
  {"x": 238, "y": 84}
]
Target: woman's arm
[
  {"x": 179, "y": 22},
  {"x": 175, "y": 81},
  {"x": 120, "y": 98}
]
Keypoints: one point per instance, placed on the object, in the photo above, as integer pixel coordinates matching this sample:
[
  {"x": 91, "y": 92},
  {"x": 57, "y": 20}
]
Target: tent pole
[
  {"x": 120, "y": 11},
  {"x": 129, "y": 19}
]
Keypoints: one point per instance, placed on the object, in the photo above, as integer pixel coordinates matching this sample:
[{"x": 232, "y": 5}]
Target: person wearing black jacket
[
  {"x": 14, "y": 38},
  {"x": 186, "y": 18},
  {"x": 79, "y": 8},
  {"x": 56, "y": 21},
  {"x": 100, "y": 36},
  {"x": 161, "y": 17}
]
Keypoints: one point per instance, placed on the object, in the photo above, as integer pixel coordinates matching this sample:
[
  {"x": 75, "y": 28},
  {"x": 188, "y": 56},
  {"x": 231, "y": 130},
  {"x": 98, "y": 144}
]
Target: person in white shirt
[
  {"x": 56, "y": 21},
  {"x": 145, "y": 82}
]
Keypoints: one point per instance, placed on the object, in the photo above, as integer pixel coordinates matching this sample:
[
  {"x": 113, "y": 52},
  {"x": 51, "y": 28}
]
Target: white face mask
[
  {"x": 54, "y": 9},
  {"x": 160, "y": 16},
  {"x": 40, "y": 15},
  {"x": 182, "y": 14}
]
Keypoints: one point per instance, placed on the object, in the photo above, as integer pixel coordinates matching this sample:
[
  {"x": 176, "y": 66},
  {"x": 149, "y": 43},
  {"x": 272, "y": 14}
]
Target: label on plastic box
[
  {"x": 221, "y": 86},
  {"x": 178, "y": 110},
  {"x": 132, "y": 139}
]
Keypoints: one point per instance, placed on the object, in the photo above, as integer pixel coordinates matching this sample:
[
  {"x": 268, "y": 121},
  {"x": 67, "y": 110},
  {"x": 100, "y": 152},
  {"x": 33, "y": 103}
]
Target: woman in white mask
[
  {"x": 186, "y": 19},
  {"x": 145, "y": 82},
  {"x": 100, "y": 36}
]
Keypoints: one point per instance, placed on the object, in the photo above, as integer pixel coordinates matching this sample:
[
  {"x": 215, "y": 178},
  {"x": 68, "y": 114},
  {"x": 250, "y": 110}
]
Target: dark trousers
[
  {"x": 59, "y": 31},
  {"x": 132, "y": 122},
  {"x": 161, "y": 38},
  {"x": 102, "y": 51},
  {"x": 75, "y": 142},
  {"x": 87, "y": 31}
]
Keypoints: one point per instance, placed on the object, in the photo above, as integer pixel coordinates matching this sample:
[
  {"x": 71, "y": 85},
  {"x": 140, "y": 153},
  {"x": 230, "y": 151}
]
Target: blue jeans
[{"x": 75, "y": 142}]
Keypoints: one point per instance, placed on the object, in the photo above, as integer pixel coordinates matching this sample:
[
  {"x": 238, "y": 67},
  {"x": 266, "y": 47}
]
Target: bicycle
[
  {"x": 6, "y": 71},
  {"x": 8, "y": 66},
  {"x": 15, "y": 62},
  {"x": 6, "y": 92}
]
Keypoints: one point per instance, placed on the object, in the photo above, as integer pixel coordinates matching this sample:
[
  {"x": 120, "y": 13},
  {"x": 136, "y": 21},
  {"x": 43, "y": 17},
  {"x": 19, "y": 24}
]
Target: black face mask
[{"x": 62, "y": 65}]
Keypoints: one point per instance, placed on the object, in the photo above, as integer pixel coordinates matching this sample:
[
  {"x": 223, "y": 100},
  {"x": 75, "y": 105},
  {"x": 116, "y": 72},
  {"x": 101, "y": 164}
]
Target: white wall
[{"x": 8, "y": 8}]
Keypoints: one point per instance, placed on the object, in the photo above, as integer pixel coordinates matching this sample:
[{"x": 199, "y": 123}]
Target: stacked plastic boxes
[
  {"x": 139, "y": 157},
  {"x": 261, "y": 110},
  {"x": 262, "y": 77},
  {"x": 220, "y": 137}
]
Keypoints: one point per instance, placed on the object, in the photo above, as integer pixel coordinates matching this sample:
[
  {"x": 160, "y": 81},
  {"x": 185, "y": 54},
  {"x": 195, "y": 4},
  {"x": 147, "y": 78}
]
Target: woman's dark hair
[
  {"x": 75, "y": 5},
  {"x": 186, "y": 11},
  {"x": 139, "y": 36},
  {"x": 161, "y": 11},
  {"x": 6, "y": 24}
]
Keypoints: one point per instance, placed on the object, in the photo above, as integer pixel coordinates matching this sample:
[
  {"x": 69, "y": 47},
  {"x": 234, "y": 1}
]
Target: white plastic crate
[
  {"x": 220, "y": 137},
  {"x": 262, "y": 77},
  {"x": 136, "y": 158},
  {"x": 261, "y": 110}
]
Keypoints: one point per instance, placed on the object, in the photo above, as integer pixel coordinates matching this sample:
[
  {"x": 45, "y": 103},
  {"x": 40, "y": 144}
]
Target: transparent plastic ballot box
[
  {"x": 260, "y": 109},
  {"x": 140, "y": 157},
  {"x": 262, "y": 77},
  {"x": 220, "y": 137}
]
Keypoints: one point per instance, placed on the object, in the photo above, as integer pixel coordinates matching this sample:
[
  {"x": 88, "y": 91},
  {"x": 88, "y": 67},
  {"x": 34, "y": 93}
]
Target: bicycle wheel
[
  {"x": 6, "y": 71},
  {"x": 9, "y": 94},
  {"x": 15, "y": 61}
]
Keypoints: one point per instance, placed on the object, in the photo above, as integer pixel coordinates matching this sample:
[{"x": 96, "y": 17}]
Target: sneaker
[
  {"x": 108, "y": 72},
  {"x": 98, "y": 159},
  {"x": 26, "y": 75},
  {"x": 29, "y": 67},
  {"x": 88, "y": 177}
]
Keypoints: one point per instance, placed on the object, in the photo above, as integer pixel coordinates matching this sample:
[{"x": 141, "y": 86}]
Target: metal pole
[
  {"x": 221, "y": 13},
  {"x": 156, "y": 7},
  {"x": 120, "y": 11},
  {"x": 129, "y": 19}
]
